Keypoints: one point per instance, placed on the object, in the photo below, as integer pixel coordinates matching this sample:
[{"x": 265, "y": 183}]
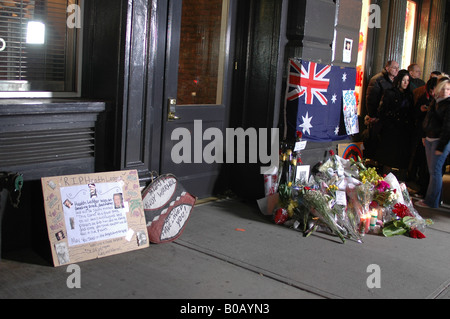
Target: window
[
  {"x": 202, "y": 52},
  {"x": 39, "y": 47}
]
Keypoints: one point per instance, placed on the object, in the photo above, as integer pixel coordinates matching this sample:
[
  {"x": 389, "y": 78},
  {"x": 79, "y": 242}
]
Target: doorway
[{"x": 197, "y": 82}]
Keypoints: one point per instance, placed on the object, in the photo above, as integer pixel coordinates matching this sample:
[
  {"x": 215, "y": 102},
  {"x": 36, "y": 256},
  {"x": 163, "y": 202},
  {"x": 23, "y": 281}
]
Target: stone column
[
  {"x": 395, "y": 31},
  {"x": 435, "y": 39}
]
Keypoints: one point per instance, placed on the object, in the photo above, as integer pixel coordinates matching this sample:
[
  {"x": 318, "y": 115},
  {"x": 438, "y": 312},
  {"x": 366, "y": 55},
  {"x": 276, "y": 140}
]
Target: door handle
[{"x": 171, "y": 116}]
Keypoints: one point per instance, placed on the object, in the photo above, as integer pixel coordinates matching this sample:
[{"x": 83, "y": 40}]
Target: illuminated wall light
[
  {"x": 408, "y": 39},
  {"x": 35, "y": 32}
]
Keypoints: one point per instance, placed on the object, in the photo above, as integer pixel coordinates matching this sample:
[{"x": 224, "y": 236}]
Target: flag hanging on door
[{"x": 314, "y": 100}]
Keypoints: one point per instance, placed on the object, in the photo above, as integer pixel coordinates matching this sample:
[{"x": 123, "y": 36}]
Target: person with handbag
[{"x": 437, "y": 141}]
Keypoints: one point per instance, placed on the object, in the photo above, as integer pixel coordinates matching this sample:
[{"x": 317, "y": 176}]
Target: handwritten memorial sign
[
  {"x": 167, "y": 208},
  {"x": 94, "y": 215},
  {"x": 350, "y": 112}
]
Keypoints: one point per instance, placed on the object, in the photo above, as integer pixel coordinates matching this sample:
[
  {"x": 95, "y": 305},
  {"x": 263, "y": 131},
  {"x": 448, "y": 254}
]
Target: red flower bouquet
[{"x": 401, "y": 210}]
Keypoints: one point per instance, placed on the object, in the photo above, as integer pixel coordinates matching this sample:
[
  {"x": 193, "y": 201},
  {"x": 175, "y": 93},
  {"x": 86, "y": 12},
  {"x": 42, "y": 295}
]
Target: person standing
[
  {"x": 422, "y": 89},
  {"x": 415, "y": 73},
  {"x": 397, "y": 121},
  {"x": 437, "y": 141},
  {"x": 418, "y": 168},
  {"x": 378, "y": 84}
]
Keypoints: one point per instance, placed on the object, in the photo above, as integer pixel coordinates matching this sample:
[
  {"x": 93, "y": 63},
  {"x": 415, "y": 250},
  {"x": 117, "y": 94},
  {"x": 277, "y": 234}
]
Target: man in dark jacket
[
  {"x": 377, "y": 85},
  {"x": 415, "y": 72},
  {"x": 375, "y": 90}
]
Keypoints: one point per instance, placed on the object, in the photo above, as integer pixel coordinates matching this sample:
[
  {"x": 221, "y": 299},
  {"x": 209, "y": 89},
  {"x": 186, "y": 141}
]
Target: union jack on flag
[
  {"x": 308, "y": 81},
  {"x": 314, "y": 103}
]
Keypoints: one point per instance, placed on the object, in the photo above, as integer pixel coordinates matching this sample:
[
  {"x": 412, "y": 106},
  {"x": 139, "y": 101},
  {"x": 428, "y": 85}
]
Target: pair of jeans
[{"x": 435, "y": 165}]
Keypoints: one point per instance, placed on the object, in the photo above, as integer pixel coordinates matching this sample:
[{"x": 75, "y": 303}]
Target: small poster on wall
[
  {"x": 94, "y": 215},
  {"x": 347, "y": 54}
]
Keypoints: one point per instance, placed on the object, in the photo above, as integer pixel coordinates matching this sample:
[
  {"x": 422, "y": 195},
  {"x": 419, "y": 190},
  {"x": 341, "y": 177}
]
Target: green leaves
[{"x": 398, "y": 226}]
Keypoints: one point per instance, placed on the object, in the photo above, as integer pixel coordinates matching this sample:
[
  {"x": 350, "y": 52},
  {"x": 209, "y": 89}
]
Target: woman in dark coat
[{"x": 396, "y": 114}]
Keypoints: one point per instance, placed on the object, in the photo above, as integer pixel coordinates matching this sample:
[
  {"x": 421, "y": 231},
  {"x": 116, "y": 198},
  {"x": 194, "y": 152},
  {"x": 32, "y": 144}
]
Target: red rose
[
  {"x": 416, "y": 234},
  {"x": 281, "y": 216},
  {"x": 373, "y": 204},
  {"x": 401, "y": 210}
]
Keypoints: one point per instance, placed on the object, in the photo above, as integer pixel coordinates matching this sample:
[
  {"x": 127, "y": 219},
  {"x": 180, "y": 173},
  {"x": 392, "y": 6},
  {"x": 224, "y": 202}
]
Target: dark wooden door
[{"x": 196, "y": 89}]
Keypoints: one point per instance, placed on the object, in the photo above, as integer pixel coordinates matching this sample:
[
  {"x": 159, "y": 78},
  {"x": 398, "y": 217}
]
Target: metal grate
[
  {"x": 36, "y": 67},
  {"x": 22, "y": 148}
]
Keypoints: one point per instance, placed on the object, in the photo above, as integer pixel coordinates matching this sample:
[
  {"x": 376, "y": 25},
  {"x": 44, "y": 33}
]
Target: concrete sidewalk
[{"x": 229, "y": 250}]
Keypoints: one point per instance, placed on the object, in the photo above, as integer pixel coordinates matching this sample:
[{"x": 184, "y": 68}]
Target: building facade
[{"x": 144, "y": 68}]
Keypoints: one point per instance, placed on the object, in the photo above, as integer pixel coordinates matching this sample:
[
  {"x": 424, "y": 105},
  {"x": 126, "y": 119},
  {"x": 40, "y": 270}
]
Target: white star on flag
[
  {"x": 334, "y": 98},
  {"x": 344, "y": 77},
  {"x": 306, "y": 126},
  {"x": 336, "y": 130}
]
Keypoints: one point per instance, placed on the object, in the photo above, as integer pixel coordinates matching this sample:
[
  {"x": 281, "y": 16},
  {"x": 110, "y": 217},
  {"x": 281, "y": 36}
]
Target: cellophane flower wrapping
[
  {"x": 318, "y": 205},
  {"x": 340, "y": 192}
]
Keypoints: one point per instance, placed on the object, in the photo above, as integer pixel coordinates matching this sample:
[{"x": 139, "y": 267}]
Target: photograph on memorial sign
[{"x": 94, "y": 215}]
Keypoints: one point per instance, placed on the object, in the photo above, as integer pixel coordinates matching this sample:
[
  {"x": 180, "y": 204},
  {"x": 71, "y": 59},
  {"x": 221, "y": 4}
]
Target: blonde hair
[{"x": 443, "y": 80}]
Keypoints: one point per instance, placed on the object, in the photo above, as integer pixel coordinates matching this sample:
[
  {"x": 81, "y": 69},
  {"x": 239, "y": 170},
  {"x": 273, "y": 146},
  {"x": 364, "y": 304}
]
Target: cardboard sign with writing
[
  {"x": 94, "y": 215},
  {"x": 167, "y": 208}
]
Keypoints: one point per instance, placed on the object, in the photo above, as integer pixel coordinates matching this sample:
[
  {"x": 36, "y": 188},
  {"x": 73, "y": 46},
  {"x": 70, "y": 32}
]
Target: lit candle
[
  {"x": 364, "y": 224},
  {"x": 367, "y": 223},
  {"x": 373, "y": 219}
]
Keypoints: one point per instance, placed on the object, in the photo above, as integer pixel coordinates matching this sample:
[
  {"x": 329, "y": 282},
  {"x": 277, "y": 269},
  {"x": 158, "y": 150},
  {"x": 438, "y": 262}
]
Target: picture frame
[{"x": 302, "y": 173}]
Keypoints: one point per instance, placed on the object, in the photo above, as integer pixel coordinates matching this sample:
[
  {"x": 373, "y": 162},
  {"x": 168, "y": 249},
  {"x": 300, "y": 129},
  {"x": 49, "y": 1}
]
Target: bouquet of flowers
[
  {"x": 348, "y": 199},
  {"x": 345, "y": 220},
  {"x": 406, "y": 225},
  {"x": 318, "y": 204},
  {"x": 384, "y": 195}
]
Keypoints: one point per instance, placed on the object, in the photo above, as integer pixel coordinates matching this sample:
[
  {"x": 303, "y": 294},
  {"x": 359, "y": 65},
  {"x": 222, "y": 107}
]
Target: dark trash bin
[{"x": 10, "y": 187}]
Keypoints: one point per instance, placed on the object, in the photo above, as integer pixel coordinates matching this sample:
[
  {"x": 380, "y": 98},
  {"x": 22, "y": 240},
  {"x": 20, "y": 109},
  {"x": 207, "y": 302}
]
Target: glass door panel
[{"x": 202, "y": 52}]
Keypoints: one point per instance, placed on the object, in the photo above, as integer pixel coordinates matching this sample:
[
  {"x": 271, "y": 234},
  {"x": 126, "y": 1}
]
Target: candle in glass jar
[
  {"x": 373, "y": 218},
  {"x": 364, "y": 224},
  {"x": 367, "y": 223}
]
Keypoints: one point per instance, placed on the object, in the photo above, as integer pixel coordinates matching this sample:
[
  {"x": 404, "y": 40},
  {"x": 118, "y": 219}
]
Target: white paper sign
[
  {"x": 94, "y": 212},
  {"x": 300, "y": 146},
  {"x": 341, "y": 198}
]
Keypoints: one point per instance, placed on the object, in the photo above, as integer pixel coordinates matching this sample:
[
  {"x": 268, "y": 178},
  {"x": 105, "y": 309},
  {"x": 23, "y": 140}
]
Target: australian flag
[{"x": 314, "y": 100}]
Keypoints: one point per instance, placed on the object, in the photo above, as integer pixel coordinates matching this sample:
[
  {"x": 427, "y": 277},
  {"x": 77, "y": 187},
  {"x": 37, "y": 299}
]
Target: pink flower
[{"x": 383, "y": 186}]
